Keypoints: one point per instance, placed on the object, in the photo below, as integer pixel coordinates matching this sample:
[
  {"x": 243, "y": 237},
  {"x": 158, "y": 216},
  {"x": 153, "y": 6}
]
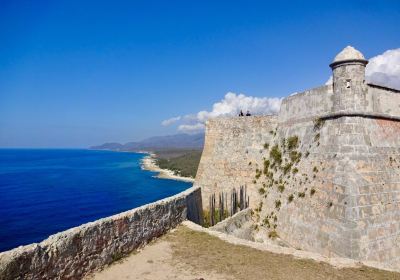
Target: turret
[{"x": 349, "y": 80}]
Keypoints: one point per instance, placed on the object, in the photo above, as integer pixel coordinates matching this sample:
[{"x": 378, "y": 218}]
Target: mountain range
[{"x": 177, "y": 141}]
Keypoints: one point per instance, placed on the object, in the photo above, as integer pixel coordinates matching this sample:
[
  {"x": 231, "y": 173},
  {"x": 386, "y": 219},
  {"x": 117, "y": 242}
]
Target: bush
[
  {"x": 290, "y": 198},
  {"x": 295, "y": 156},
  {"x": 292, "y": 142},
  {"x": 278, "y": 204},
  {"x": 281, "y": 188},
  {"x": 276, "y": 154},
  {"x": 301, "y": 194},
  {"x": 287, "y": 168},
  {"x": 273, "y": 234},
  {"x": 318, "y": 123}
]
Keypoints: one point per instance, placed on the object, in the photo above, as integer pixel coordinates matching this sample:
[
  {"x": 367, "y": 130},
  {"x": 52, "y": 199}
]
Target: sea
[{"x": 45, "y": 191}]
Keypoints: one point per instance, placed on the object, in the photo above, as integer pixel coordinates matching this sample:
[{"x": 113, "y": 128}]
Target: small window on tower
[{"x": 348, "y": 83}]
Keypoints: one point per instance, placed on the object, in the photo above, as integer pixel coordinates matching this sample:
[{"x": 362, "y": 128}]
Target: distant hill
[{"x": 177, "y": 141}]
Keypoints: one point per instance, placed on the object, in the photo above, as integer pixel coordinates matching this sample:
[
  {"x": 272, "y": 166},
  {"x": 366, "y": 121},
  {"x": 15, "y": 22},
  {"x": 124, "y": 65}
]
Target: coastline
[{"x": 149, "y": 163}]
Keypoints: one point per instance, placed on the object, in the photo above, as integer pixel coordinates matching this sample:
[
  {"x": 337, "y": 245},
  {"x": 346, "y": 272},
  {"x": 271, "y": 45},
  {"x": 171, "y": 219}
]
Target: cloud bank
[
  {"x": 229, "y": 106},
  {"x": 383, "y": 69},
  {"x": 171, "y": 121}
]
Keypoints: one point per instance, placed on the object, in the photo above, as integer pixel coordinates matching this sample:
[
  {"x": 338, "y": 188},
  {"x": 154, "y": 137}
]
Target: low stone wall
[
  {"x": 239, "y": 225},
  {"x": 73, "y": 253}
]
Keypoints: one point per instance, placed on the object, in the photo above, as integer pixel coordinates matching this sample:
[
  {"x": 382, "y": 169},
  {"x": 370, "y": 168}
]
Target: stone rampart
[
  {"x": 232, "y": 149},
  {"x": 336, "y": 192},
  {"x": 75, "y": 252}
]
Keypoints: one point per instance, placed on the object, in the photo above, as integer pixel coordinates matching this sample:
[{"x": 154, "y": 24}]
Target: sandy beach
[{"x": 149, "y": 163}]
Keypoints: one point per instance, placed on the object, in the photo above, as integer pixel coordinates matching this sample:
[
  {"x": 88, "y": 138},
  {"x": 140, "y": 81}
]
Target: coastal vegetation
[{"x": 181, "y": 162}]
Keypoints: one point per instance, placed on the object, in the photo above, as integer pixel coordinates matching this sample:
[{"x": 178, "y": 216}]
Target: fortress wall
[
  {"x": 384, "y": 100},
  {"x": 355, "y": 210},
  {"x": 307, "y": 105},
  {"x": 307, "y": 222},
  {"x": 232, "y": 149},
  {"x": 375, "y": 183},
  {"x": 75, "y": 252}
]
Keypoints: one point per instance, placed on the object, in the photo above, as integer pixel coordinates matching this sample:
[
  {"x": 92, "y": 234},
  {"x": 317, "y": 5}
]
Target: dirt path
[{"x": 187, "y": 254}]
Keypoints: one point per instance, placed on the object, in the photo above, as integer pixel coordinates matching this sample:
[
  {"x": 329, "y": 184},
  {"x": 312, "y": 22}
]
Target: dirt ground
[{"x": 191, "y": 255}]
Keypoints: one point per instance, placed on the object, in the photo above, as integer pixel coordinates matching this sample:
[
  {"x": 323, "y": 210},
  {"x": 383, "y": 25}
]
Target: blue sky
[{"x": 79, "y": 73}]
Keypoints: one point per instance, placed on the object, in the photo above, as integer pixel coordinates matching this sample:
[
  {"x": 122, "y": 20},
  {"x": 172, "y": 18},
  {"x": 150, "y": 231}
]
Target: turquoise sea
[{"x": 44, "y": 191}]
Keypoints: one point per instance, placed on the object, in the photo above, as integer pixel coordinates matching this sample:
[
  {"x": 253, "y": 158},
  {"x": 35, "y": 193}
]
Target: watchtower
[{"x": 349, "y": 85}]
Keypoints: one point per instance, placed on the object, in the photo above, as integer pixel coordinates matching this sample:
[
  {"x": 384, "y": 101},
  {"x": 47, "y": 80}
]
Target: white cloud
[
  {"x": 229, "y": 106},
  {"x": 171, "y": 121},
  {"x": 383, "y": 69},
  {"x": 329, "y": 81},
  {"x": 191, "y": 128}
]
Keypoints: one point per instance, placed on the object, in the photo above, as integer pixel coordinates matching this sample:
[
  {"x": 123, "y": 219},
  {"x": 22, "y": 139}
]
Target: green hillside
[{"x": 185, "y": 164}]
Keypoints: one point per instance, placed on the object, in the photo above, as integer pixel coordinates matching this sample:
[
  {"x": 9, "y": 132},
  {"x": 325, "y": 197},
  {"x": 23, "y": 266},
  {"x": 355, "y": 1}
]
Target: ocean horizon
[{"x": 45, "y": 191}]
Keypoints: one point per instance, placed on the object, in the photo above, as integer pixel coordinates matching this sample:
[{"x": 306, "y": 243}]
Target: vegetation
[
  {"x": 292, "y": 142},
  {"x": 185, "y": 164},
  {"x": 273, "y": 234},
  {"x": 318, "y": 123},
  {"x": 276, "y": 154}
]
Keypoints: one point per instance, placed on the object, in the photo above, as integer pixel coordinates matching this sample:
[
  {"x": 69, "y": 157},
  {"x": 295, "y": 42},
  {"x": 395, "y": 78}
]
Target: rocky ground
[{"x": 188, "y": 254}]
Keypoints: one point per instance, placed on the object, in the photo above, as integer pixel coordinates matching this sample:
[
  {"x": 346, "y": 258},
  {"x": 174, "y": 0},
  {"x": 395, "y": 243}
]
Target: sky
[{"x": 81, "y": 73}]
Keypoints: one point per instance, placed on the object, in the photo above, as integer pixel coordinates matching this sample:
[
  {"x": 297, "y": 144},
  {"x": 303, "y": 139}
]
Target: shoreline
[{"x": 149, "y": 163}]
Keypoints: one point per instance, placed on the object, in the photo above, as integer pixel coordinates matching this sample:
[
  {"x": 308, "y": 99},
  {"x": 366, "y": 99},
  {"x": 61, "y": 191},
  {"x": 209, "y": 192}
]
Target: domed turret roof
[{"x": 349, "y": 53}]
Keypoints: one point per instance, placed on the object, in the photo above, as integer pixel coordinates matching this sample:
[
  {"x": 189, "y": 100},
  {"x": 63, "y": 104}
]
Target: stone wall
[
  {"x": 75, "y": 252},
  {"x": 233, "y": 146},
  {"x": 337, "y": 192}
]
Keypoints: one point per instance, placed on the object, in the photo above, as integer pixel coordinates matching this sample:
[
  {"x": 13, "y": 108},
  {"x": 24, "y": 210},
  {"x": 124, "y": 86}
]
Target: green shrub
[
  {"x": 273, "y": 234},
  {"x": 261, "y": 191},
  {"x": 292, "y": 142},
  {"x": 266, "y": 146},
  {"x": 266, "y": 166},
  {"x": 295, "y": 170},
  {"x": 276, "y": 154},
  {"x": 301, "y": 194},
  {"x": 281, "y": 188},
  {"x": 315, "y": 169},
  {"x": 312, "y": 191},
  {"x": 278, "y": 204},
  {"x": 318, "y": 123},
  {"x": 290, "y": 198},
  {"x": 287, "y": 167},
  {"x": 295, "y": 156}
]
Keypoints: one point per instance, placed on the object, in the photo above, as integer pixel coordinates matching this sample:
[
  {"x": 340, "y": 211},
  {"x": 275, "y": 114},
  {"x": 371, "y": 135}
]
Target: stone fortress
[{"x": 324, "y": 174}]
